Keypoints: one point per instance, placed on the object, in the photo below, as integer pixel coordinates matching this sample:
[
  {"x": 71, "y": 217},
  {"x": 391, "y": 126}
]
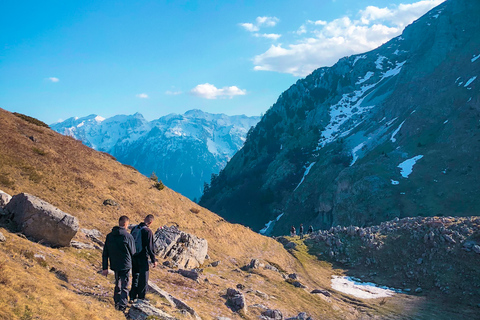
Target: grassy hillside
[{"x": 38, "y": 282}]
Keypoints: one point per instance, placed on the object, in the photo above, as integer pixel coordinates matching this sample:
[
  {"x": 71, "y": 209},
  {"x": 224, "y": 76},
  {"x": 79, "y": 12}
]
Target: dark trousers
[
  {"x": 140, "y": 278},
  {"x": 120, "y": 294}
]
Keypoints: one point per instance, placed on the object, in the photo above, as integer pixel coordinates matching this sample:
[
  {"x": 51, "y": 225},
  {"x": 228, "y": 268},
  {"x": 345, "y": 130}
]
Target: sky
[{"x": 60, "y": 59}]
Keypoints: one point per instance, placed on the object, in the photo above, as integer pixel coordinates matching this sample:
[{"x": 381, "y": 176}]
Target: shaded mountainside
[
  {"x": 183, "y": 150},
  {"x": 394, "y": 132}
]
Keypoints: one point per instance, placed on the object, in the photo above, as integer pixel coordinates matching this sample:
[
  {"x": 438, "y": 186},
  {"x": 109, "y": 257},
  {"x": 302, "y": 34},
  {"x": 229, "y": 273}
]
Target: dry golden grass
[{"x": 77, "y": 180}]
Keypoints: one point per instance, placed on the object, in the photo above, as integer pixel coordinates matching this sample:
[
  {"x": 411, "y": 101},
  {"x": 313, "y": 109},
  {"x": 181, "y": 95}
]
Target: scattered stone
[
  {"x": 449, "y": 239},
  {"x": 174, "y": 302},
  {"x": 186, "y": 250},
  {"x": 81, "y": 245},
  {"x": 142, "y": 310},
  {"x": 4, "y": 199},
  {"x": 321, "y": 291},
  {"x": 110, "y": 272},
  {"x": 476, "y": 249},
  {"x": 300, "y": 316},
  {"x": 273, "y": 314},
  {"x": 2, "y": 237},
  {"x": 298, "y": 284},
  {"x": 223, "y": 318},
  {"x": 41, "y": 220},
  {"x": 418, "y": 290},
  {"x": 419, "y": 261},
  {"x": 167, "y": 263},
  {"x": 270, "y": 267},
  {"x": 32, "y": 138},
  {"x": 214, "y": 264},
  {"x": 261, "y": 294},
  {"x": 110, "y": 202},
  {"x": 240, "y": 286},
  {"x": 293, "y": 276},
  {"x": 235, "y": 299},
  {"x": 94, "y": 235},
  {"x": 191, "y": 274}
]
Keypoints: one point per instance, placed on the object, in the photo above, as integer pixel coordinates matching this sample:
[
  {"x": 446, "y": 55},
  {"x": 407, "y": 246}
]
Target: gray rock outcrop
[
  {"x": 236, "y": 299},
  {"x": 4, "y": 199},
  {"x": 142, "y": 310},
  {"x": 174, "y": 302},
  {"x": 186, "y": 250},
  {"x": 42, "y": 221},
  {"x": 2, "y": 237},
  {"x": 273, "y": 314}
]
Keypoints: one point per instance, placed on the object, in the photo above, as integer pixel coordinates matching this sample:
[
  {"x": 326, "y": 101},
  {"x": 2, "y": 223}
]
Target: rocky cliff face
[
  {"x": 183, "y": 150},
  {"x": 394, "y": 132}
]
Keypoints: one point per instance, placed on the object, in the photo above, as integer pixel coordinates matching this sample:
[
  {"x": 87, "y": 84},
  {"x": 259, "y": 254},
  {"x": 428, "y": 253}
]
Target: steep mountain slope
[
  {"x": 183, "y": 150},
  {"x": 339, "y": 146}
]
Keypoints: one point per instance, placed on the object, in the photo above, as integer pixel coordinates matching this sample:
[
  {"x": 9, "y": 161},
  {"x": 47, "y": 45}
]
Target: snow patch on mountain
[
  {"x": 307, "y": 171},
  {"x": 406, "y": 167},
  {"x": 469, "y": 82}
]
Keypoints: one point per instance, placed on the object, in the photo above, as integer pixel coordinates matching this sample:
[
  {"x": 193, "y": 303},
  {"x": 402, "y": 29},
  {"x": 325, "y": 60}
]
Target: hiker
[
  {"x": 293, "y": 232},
  {"x": 145, "y": 249},
  {"x": 310, "y": 230},
  {"x": 119, "y": 248},
  {"x": 301, "y": 230}
]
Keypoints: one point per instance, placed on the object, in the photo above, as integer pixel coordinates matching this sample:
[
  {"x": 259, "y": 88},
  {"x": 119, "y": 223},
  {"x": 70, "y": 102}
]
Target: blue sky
[{"x": 73, "y": 58}]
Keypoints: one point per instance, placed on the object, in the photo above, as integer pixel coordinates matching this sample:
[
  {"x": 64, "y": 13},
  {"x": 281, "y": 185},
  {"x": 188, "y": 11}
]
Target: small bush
[
  {"x": 159, "y": 185},
  {"x": 129, "y": 166},
  {"x": 154, "y": 177},
  {"x": 6, "y": 181},
  {"x": 31, "y": 120},
  {"x": 109, "y": 155}
]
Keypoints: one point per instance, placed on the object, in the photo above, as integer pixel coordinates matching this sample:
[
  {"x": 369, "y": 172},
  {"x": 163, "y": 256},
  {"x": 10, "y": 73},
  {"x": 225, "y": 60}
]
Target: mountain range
[
  {"x": 182, "y": 150},
  {"x": 393, "y": 132}
]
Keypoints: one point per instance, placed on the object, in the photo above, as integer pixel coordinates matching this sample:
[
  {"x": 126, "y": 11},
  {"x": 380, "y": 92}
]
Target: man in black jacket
[
  {"x": 119, "y": 249},
  {"x": 140, "y": 270}
]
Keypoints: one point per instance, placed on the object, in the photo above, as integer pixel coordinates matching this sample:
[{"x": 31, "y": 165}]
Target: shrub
[
  {"x": 194, "y": 210},
  {"x": 159, "y": 185},
  {"x": 39, "y": 151},
  {"x": 129, "y": 166},
  {"x": 31, "y": 120}
]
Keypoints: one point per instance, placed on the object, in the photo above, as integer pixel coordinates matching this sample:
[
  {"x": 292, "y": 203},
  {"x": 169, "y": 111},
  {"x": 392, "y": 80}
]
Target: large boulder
[
  {"x": 236, "y": 300},
  {"x": 4, "y": 199},
  {"x": 41, "y": 220},
  {"x": 142, "y": 310},
  {"x": 186, "y": 250}
]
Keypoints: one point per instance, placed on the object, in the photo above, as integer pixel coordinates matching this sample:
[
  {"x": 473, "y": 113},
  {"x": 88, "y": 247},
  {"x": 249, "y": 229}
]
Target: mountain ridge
[
  {"x": 328, "y": 151},
  {"x": 184, "y": 150}
]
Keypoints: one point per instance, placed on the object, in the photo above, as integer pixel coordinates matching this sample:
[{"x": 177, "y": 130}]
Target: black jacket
[
  {"x": 148, "y": 249},
  {"x": 119, "y": 248}
]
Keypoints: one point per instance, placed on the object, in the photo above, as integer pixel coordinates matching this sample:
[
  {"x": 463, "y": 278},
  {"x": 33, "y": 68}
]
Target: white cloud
[
  {"x": 53, "y": 79},
  {"x": 142, "y": 96},
  {"x": 267, "y": 21},
  {"x": 249, "y": 27},
  {"x": 173, "y": 93},
  {"x": 272, "y": 36},
  {"x": 260, "y": 22},
  {"x": 209, "y": 91},
  {"x": 330, "y": 41}
]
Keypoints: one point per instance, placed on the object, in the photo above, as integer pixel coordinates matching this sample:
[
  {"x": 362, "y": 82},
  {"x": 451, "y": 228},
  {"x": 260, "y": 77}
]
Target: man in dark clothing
[
  {"x": 310, "y": 230},
  {"x": 119, "y": 249},
  {"x": 301, "y": 230},
  {"x": 140, "y": 270}
]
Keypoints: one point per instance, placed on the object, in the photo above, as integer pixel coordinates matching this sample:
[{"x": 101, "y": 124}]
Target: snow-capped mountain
[
  {"x": 390, "y": 133},
  {"x": 183, "y": 150}
]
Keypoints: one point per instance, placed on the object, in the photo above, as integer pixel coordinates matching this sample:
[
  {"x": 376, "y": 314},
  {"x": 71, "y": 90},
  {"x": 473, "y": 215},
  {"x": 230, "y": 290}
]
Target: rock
[
  {"x": 236, "y": 299},
  {"x": 186, "y": 250},
  {"x": 449, "y": 239},
  {"x": 174, "y": 302},
  {"x": 110, "y": 202},
  {"x": 254, "y": 264},
  {"x": 223, "y": 318},
  {"x": 4, "y": 199},
  {"x": 291, "y": 245},
  {"x": 300, "y": 316},
  {"x": 261, "y": 294},
  {"x": 293, "y": 276},
  {"x": 41, "y": 220},
  {"x": 214, "y": 264},
  {"x": 321, "y": 291},
  {"x": 191, "y": 274},
  {"x": 298, "y": 284},
  {"x": 2, "y": 237},
  {"x": 476, "y": 249},
  {"x": 240, "y": 286},
  {"x": 273, "y": 314},
  {"x": 418, "y": 290},
  {"x": 419, "y": 261},
  {"x": 142, "y": 310},
  {"x": 81, "y": 245},
  {"x": 110, "y": 272},
  {"x": 94, "y": 235},
  {"x": 270, "y": 267}
]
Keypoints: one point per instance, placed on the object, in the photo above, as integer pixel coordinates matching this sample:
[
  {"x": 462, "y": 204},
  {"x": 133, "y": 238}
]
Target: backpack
[{"x": 137, "y": 236}]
